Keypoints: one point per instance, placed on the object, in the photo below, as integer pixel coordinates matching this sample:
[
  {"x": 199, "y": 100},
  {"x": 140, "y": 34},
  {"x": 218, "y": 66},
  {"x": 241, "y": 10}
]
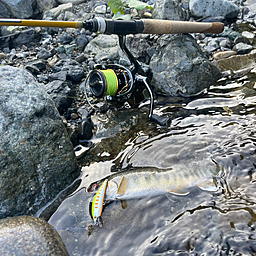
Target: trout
[{"x": 140, "y": 182}]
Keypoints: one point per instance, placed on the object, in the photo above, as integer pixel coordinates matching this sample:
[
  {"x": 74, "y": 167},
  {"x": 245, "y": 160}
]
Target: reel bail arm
[
  {"x": 161, "y": 120},
  {"x": 138, "y": 75}
]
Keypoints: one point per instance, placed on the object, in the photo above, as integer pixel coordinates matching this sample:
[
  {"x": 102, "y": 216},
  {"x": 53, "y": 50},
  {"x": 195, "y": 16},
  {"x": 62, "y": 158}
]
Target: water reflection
[{"x": 216, "y": 130}]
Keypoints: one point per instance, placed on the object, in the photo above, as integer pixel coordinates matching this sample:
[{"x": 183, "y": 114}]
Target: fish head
[{"x": 93, "y": 188}]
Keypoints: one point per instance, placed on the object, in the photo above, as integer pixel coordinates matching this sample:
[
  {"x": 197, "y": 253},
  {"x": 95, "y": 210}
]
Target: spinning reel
[{"x": 116, "y": 83}]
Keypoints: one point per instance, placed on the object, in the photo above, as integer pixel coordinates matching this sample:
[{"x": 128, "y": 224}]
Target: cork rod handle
[{"x": 176, "y": 27}]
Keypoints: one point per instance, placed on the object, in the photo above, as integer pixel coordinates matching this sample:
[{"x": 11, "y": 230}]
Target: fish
[
  {"x": 140, "y": 182},
  {"x": 96, "y": 206}
]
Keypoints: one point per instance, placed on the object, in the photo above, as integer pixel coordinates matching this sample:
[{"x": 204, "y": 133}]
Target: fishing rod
[
  {"x": 113, "y": 82},
  {"x": 124, "y": 27}
]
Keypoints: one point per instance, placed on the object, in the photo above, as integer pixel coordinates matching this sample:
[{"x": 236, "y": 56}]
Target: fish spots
[{"x": 186, "y": 175}]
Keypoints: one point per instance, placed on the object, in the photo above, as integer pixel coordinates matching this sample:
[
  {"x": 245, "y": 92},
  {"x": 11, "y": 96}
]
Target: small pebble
[
  {"x": 3, "y": 56},
  {"x": 74, "y": 116},
  {"x": 102, "y": 9}
]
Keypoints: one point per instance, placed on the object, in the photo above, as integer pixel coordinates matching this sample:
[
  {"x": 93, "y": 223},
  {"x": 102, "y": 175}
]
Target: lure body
[{"x": 97, "y": 204}]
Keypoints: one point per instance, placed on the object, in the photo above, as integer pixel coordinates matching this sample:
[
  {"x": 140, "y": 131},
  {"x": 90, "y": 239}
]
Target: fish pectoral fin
[
  {"x": 123, "y": 204},
  {"x": 122, "y": 186},
  {"x": 208, "y": 185},
  {"x": 179, "y": 193},
  {"x": 179, "y": 190}
]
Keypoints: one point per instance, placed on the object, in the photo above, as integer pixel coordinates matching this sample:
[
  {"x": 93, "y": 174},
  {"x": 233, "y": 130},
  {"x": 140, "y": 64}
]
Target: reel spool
[{"x": 113, "y": 82}]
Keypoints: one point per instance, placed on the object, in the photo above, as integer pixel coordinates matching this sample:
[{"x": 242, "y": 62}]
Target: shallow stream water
[{"x": 213, "y": 130}]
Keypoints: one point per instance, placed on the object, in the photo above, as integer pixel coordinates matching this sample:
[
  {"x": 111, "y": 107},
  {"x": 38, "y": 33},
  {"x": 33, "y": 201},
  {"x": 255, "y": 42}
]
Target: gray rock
[
  {"x": 44, "y": 54},
  {"x": 106, "y": 47},
  {"x": 61, "y": 75},
  {"x": 69, "y": 49},
  {"x": 40, "y": 64},
  {"x": 179, "y": 66},
  {"x": 230, "y": 33},
  {"x": 61, "y": 92},
  {"x": 242, "y": 48},
  {"x": 26, "y": 235},
  {"x": 46, "y": 5},
  {"x": 202, "y": 8},
  {"x": 169, "y": 10},
  {"x": 65, "y": 38},
  {"x": 36, "y": 156},
  {"x": 19, "y": 8},
  {"x": 62, "y": 8},
  {"x": 138, "y": 46},
  {"x": 103, "y": 47},
  {"x": 4, "y": 12},
  {"x": 74, "y": 69},
  {"x": 71, "y": 1},
  {"x": 82, "y": 41},
  {"x": 26, "y": 37},
  {"x": 70, "y": 16}
]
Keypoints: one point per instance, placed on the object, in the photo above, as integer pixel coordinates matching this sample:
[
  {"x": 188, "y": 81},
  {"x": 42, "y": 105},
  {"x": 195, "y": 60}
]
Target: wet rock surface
[
  {"x": 26, "y": 235},
  {"x": 36, "y": 156}
]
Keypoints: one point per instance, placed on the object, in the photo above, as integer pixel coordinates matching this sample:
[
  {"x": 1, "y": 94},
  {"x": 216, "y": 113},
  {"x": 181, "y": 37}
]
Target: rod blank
[{"x": 41, "y": 23}]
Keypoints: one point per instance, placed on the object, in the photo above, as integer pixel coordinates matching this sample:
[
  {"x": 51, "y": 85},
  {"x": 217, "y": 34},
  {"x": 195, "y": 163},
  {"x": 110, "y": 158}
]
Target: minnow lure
[{"x": 96, "y": 206}]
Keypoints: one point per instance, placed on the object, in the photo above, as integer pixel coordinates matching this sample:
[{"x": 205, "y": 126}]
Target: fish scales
[{"x": 153, "y": 181}]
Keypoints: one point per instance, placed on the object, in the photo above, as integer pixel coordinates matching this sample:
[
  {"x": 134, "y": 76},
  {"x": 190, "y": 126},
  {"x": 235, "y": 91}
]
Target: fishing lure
[{"x": 96, "y": 206}]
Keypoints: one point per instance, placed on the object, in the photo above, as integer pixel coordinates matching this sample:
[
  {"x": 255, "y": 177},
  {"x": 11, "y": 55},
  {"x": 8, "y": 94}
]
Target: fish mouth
[
  {"x": 93, "y": 188},
  {"x": 111, "y": 191}
]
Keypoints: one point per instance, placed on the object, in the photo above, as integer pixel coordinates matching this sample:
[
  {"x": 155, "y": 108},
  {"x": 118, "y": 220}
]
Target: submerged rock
[
  {"x": 26, "y": 235},
  {"x": 37, "y": 159},
  {"x": 179, "y": 67},
  {"x": 237, "y": 62}
]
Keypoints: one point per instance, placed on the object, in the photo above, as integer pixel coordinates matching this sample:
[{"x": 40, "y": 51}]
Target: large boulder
[
  {"x": 21, "y": 9},
  {"x": 180, "y": 67},
  {"x": 202, "y": 8},
  {"x": 4, "y": 12},
  {"x": 27, "y": 235},
  {"x": 37, "y": 160}
]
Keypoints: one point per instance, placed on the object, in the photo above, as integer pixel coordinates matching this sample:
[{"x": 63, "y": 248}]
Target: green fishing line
[{"x": 112, "y": 82}]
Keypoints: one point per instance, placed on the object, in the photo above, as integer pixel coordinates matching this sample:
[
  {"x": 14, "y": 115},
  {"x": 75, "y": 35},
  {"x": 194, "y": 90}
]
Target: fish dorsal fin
[
  {"x": 122, "y": 186},
  {"x": 208, "y": 185}
]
